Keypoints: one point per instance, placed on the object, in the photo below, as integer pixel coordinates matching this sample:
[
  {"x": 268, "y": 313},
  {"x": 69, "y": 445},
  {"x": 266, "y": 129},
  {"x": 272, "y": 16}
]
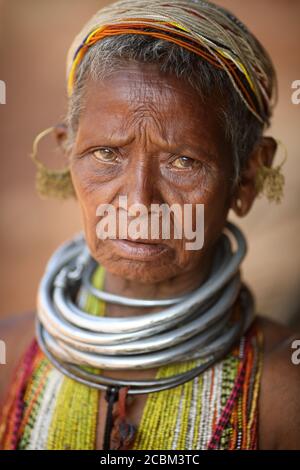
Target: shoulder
[
  {"x": 279, "y": 404},
  {"x": 17, "y": 331}
]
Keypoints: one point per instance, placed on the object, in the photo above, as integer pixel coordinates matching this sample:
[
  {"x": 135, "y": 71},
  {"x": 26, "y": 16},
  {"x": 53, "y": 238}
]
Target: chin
[
  {"x": 148, "y": 269},
  {"x": 139, "y": 271}
]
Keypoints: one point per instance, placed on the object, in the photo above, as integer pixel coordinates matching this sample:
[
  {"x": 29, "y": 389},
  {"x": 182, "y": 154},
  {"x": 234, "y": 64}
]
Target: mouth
[{"x": 140, "y": 249}]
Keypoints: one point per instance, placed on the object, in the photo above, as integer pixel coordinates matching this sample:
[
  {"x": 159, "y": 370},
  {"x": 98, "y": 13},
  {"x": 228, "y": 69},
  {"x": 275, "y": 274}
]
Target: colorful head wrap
[{"x": 208, "y": 30}]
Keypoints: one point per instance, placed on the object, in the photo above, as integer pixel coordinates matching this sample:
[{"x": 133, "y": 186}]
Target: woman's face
[{"x": 148, "y": 137}]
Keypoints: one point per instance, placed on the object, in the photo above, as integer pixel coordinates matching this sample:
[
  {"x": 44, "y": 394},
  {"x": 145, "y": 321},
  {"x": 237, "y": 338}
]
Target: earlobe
[
  {"x": 268, "y": 151},
  {"x": 61, "y": 134},
  {"x": 247, "y": 189},
  {"x": 239, "y": 204}
]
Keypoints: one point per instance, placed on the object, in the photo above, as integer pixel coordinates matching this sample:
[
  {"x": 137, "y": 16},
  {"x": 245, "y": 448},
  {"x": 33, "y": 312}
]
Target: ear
[
  {"x": 61, "y": 135},
  {"x": 246, "y": 191}
]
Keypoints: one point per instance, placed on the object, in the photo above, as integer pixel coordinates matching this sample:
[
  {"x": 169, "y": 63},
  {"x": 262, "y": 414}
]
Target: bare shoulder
[
  {"x": 16, "y": 331},
  {"x": 279, "y": 405}
]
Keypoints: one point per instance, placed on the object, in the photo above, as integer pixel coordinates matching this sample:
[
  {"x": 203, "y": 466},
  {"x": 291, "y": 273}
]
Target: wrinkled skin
[
  {"x": 162, "y": 144},
  {"x": 150, "y": 138}
]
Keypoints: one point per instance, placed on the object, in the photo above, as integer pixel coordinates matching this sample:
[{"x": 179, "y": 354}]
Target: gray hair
[{"x": 242, "y": 129}]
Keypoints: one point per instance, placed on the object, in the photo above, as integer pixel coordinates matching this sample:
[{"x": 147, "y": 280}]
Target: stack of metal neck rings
[{"x": 200, "y": 325}]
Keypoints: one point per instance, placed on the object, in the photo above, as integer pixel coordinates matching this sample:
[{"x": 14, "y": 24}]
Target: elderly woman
[{"x": 147, "y": 342}]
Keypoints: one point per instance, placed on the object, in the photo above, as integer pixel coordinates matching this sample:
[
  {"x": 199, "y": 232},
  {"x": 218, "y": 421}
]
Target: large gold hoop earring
[{"x": 51, "y": 183}]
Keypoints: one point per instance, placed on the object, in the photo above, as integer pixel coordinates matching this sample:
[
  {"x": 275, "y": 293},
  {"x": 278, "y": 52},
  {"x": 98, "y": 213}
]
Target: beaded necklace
[{"x": 216, "y": 410}]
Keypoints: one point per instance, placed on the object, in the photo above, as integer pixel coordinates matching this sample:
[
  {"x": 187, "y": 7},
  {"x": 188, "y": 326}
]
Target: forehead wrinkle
[
  {"x": 147, "y": 122},
  {"x": 152, "y": 134},
  {"x": 145, "y": 115},
  {"x": 151, "y": 98},
  {"x": 145, "y": 89},
  {"x": 139, "y": 109}
]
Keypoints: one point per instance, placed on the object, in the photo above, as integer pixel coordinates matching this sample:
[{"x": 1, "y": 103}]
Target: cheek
[
  {"x": 215, "y": 198},
  {"x": 88, "y": 194},
  {"x": 85, "y": 177},
  {"x": 216, "y": 208},
  {"x": 92, "y": 188},
  {"x": 213, "y": 191}
]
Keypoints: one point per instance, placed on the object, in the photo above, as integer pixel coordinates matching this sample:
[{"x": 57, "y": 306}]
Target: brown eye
[
  {"x": 183, "y": 163},
  {"x": 104, "y": 155}
]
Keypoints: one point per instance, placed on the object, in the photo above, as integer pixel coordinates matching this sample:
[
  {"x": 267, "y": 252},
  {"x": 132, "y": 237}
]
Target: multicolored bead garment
[{"x": 216, "y": 410}]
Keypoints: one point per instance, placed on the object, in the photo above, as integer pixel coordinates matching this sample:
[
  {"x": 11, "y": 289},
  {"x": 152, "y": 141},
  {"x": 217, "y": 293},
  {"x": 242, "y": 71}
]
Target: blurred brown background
[{"x": 34, "y": 38}]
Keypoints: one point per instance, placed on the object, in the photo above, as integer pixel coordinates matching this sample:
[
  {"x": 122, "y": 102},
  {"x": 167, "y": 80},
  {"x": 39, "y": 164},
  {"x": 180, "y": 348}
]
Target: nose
[{"x": 140, "y": 185}]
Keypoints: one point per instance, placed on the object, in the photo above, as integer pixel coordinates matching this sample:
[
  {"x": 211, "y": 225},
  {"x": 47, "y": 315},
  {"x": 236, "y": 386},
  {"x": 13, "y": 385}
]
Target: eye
[
  {"x": 184, "y": 162},
  {"x": 105, "y": 155}
]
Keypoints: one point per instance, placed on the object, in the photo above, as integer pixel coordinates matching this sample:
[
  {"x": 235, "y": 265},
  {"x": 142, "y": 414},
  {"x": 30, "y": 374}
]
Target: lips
[{"x": 139, "y": 249}]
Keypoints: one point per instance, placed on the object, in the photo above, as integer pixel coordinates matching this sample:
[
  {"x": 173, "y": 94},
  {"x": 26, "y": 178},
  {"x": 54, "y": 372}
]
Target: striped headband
[{"x": 201, "y": 27}]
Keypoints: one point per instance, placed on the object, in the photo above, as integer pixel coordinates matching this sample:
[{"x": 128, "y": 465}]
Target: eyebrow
[{"x": 116, "y": 140}]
